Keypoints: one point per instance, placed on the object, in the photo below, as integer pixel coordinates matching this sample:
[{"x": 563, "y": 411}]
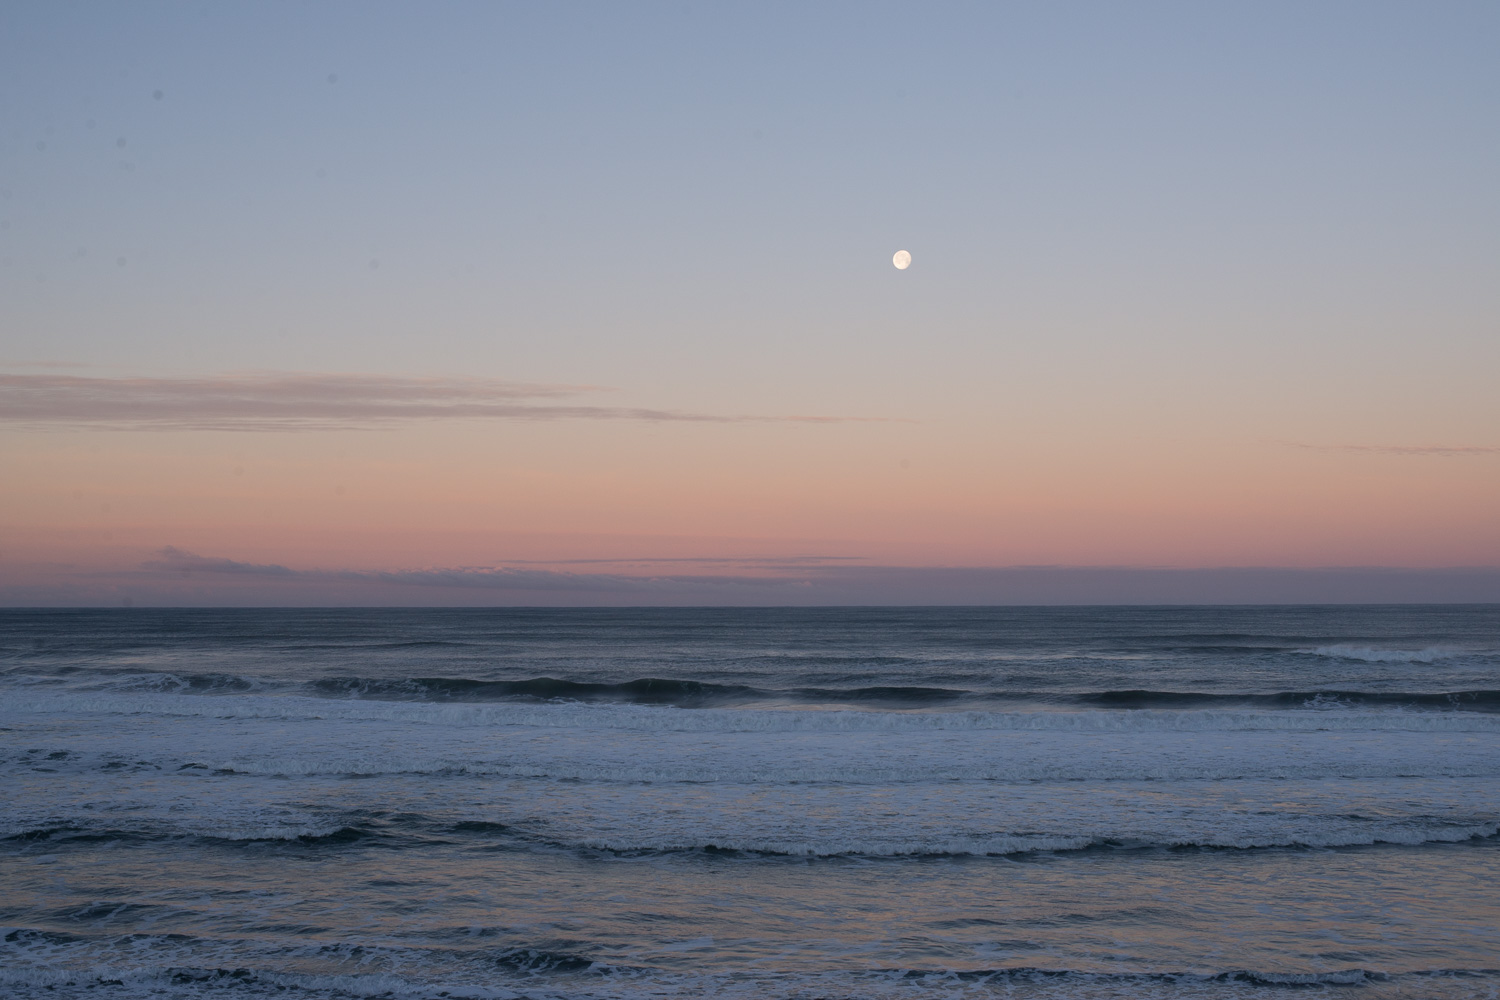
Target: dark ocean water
[{"x": 1080, "y": 802}]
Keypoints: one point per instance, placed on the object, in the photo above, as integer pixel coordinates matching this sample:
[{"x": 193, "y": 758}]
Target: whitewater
[{"x": 1090, "y": 802}]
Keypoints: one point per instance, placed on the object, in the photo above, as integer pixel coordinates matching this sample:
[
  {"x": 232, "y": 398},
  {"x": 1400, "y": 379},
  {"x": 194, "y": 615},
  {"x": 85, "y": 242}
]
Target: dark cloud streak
[
  {"x": 302, "y": 402},
  {"x": 500, "y": 578},
  {"x": 829, "y": 584}
]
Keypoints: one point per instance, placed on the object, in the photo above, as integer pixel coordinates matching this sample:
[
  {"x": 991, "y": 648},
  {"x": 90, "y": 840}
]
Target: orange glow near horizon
[{"x": 465, "y": 493}]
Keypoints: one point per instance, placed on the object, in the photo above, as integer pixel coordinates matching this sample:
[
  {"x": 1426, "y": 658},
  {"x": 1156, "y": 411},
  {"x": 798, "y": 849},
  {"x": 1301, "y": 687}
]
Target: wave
[
  {"x": 1472, "y": 701},
  {"x": 699, "y": 694},
  {"x": 166, "y": 682},
  {"x": 206, "y": 829},
  {"x": 119, "y": 981},
  {"x": 540, "y": 960},
  {"x": 418, "y": 832},
  {"x": 99, "y": 973},
  {"x": 193, "y": 683},
  {"x": 860, "y": 772},
  {"x": 1012, "y": 845},
  {"x": 878, "y": 774},
  {"x": 1369, "y": 654},
  {"x": 644, "y": 691},
  {"x": 695, "y": 694},
  {"x": 1382, "y": 716}
]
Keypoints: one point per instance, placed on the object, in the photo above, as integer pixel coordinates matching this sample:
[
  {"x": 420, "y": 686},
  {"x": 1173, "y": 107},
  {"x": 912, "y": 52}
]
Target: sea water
[{"x": 829, "y": 803}]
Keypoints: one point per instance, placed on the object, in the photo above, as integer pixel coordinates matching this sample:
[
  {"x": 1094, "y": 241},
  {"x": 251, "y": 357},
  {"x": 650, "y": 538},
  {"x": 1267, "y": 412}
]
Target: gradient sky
[{"x": 298, "y": 298}]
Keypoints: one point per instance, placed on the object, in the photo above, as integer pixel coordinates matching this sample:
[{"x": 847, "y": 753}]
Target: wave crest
[{"x": 1370, "y": 654}]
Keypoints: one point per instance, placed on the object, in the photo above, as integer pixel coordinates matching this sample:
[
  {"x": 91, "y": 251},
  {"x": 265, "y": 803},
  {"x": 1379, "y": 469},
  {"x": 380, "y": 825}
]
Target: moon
[{"x": 901, "y": 259}]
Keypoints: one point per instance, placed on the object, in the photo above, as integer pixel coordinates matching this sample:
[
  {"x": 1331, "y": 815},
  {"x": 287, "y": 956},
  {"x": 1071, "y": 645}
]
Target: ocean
[{"x": 751, "y": 803}]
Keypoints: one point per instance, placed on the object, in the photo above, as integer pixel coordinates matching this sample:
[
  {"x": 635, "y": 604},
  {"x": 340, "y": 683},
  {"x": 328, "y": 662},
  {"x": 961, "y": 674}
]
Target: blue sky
[{"x": 728, "y": 182}]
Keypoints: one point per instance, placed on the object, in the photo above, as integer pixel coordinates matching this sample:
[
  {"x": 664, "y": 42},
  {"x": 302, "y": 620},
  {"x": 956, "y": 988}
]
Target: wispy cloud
[
  {"x": 1403, "y": 449},
  {"x": 755, "y": 561},
  {"x": 501, "y": 578},
  {"x": 173, "y": 558},
  {"x": 290, "y": 402},
  {"x": 174, "y": 576}
]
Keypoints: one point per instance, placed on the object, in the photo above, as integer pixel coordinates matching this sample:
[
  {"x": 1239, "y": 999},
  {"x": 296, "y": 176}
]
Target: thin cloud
[
  {"x": 1403, "y": 449},
  {"x": 756, "y": 561},
  {"x": 173, "y": 558},
  {"x": 810, "y": 585},
  {"x": 505, "y": 578},
  {"x": 296, "y": 402}
]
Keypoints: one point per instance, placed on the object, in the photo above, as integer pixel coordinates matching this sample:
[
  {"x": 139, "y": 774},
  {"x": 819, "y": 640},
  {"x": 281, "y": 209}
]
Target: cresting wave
[
  {"x": 656, "y": 691},
  {"x": 693, "y": 694},
  {"x": 644, "y": 691},
  {"x": 336, "y": 834},
  {"x": 1336, "y": 716},
  {"x": 1004, "y": 846},
  {"x": 523, "y": 759},
  {"x": 1472, "y": 701},
  {"x": 1367, "y": 654}
]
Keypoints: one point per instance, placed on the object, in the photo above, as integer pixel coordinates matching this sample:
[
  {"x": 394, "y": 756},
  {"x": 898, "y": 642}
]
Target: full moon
[{"x": 901, "y": 259}]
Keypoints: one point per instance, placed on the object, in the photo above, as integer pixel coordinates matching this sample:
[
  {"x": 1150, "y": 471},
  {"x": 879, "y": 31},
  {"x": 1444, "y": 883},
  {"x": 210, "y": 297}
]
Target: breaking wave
[
  {"x": 1367, "y": 654},
  {"x": 335, "y": 834},
  {"x": 1338, "y": 713},
  {"x": 703, "y": 695}
]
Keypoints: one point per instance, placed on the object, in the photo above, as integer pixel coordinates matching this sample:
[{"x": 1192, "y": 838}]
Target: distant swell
[
  {"x": 645, "y": 691},
  {"x": 419, "y": 833},
  {"x": 703, "y": 694},
  {"x": 1221, "y": 713},
  {"x": 1472, "y": 701},
  {"x": 1022, "y": 844},
  {"x": 1367, "y": 654}
]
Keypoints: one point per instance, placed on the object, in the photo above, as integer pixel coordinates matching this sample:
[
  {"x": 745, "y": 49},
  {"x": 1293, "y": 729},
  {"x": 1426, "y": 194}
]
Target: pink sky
[{"x": 333, "y": 476}]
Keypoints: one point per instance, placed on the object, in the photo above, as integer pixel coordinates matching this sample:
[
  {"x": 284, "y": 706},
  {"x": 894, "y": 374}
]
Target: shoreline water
[{"x": 1173, "y": 803}]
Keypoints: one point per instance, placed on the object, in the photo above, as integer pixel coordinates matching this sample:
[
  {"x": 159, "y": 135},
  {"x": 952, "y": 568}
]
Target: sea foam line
[{"x": 1375, "y": 654}]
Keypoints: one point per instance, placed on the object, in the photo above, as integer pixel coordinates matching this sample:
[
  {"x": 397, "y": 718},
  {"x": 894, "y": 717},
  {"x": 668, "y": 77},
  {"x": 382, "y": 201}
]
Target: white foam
[{"x": 1368, "y": 654}]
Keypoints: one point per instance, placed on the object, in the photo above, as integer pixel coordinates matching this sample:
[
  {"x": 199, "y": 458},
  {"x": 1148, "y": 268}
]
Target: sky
[{"x": 370, "y": 303}]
